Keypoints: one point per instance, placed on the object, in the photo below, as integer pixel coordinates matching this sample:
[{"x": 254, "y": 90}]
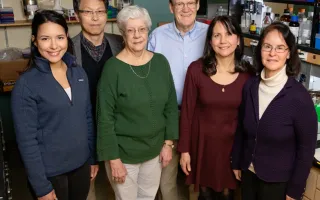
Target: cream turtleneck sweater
[{"x": 268, "y": 89}]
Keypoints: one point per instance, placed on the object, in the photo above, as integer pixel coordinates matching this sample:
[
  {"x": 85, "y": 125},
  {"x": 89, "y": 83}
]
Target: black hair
[
  {"x": 209, "y": 56},
  {"x": 76, "y": 4},
  {"x": 171, "y": 1},
  {"x": 293, "y": 63},
  {"x": 40, "y": 18}
]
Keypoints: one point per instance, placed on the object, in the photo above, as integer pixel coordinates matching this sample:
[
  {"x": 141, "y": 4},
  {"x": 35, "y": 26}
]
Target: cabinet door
[
  {"x": 311, "y": 184},
  {"x": 318, "y": 181},
  {"x": 317, "y": 195}
]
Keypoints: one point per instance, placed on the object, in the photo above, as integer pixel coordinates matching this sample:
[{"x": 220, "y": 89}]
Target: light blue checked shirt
[{"x": 179, "y": 50}]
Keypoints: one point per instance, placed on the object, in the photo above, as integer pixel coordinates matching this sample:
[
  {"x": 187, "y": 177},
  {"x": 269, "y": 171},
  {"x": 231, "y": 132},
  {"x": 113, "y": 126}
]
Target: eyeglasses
[
  {"x": 190, "y": 5},
  {"x": 91, "y": 13},
  {"x": 278, "y": 49},
  {"x": 132, "y": 31}
]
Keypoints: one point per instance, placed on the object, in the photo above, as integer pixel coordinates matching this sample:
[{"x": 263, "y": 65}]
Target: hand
[
  {"x": 50, "y": 196},
  {"x": 165, "y": 155},
  {"x": 185, "y": 161},
  {"x": 237, "y": 174},
  {"x": 119, "y": 171},
  {"x": 289, "y": 198},
  {"x": 94, "y": 171}
]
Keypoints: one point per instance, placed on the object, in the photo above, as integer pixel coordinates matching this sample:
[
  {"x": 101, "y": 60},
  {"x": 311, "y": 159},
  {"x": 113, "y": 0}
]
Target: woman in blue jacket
[
  {"x": 275, "y": 141},
  {"x": 52, "y": 114}
]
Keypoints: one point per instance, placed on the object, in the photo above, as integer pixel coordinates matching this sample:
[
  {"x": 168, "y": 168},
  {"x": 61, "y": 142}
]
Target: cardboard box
[{"x": 9, "y": 73}]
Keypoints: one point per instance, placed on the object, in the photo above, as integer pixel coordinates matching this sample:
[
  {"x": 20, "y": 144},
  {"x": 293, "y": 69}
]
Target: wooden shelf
[
  {"x": 18, "y": 23},
  {"x": 301, "y": 47},
  {"x": 295, "y": 2}
]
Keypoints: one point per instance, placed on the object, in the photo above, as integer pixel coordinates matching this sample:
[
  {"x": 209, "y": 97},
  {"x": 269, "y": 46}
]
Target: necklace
[
  {"x": 223, "y": 89},
  {"x": 138, "y": 74}
]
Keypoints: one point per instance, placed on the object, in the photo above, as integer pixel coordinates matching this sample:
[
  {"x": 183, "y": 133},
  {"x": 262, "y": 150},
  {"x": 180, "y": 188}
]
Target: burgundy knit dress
[{"x": 208, "y": 121}]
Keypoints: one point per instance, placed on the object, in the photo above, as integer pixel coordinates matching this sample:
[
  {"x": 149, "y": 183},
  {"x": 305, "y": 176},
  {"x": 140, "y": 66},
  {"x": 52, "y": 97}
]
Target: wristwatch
[{"x": 169, "y": 145}]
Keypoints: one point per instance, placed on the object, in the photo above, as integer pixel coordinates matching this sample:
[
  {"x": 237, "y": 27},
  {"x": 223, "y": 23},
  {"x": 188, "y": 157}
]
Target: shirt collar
[
  {"x": 191, "y": 33},
  {"x": 44, "y": 65},
  {"x": 89, "y": 44}
]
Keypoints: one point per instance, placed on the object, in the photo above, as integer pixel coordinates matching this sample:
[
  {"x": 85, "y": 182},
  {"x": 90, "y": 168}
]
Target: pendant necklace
[{"x": 138, "y": 74}]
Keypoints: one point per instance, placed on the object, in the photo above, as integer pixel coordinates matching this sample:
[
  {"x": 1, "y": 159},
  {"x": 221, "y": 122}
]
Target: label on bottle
[
  {"x": 253, "y": 28},
  {"x": 32, "y": 8},
  {"x": 308, "y": 42},
  {"x": 286, "y": 23},
  {"x": 294, "y": 31}
]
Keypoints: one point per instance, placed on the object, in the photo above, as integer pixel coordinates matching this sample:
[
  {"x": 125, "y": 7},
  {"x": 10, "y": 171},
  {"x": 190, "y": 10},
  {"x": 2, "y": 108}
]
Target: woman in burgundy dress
[{"x": 209, "y": 111}]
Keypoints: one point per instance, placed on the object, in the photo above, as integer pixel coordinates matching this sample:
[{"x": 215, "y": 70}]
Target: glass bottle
[
  {"x": 276, "y": 17},
  {"x": 285, "y": 18},
  {"x": 267, "y": 20},
  {"x": 294, "y": 26}
]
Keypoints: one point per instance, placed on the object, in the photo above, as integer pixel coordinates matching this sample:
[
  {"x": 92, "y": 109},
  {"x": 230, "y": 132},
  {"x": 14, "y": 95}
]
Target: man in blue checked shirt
[{"x": 181, "y": 42}]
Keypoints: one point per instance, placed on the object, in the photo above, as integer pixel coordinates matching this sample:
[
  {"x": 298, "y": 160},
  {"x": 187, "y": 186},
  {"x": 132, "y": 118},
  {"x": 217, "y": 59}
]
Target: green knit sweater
[{"x": 136, "y": 110}]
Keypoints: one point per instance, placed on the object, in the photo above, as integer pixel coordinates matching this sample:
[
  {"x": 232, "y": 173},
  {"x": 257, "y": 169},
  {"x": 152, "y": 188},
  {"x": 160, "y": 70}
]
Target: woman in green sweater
[{"x": 137, "y": 112}]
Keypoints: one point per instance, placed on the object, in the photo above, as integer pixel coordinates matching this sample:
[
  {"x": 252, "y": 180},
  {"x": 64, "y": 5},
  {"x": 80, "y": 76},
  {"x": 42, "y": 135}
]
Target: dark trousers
[
  {"x": 209, "y": 194},
  {"x": 73, "y": 185},
  {"x": 253, "y": 188}
]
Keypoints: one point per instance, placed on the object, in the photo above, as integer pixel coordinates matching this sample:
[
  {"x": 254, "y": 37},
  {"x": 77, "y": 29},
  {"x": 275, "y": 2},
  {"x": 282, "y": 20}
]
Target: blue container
[{"x": 317, "y": 46}]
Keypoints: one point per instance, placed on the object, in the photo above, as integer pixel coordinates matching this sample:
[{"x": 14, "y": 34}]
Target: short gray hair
[{"x": 133, "y": 12}]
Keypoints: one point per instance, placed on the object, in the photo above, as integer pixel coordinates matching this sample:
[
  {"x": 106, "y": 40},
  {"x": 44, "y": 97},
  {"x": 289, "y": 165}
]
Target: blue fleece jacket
[{"x": 55, "y": 135}]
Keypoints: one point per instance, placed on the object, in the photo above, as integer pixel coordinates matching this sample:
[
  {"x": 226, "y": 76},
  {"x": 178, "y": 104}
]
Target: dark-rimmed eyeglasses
[{"x": 98, "y": 13}]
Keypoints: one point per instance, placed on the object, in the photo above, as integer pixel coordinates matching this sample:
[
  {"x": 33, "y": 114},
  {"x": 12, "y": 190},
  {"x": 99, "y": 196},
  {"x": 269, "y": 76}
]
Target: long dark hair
[
  {"x": 209, "y": 56},
  {"x": 293, "y": 63},
  {"x": 40, "y": 18}
]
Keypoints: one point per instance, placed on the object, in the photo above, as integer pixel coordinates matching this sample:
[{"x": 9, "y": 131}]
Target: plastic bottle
[
  {"x": 302, "y": 31},
  {"x": 301, "y": 14},
  {"x": 245, "y": 22},
  {"x": 285, "y": 18},
  {"x": 253, "y": 28},
  {"x": 294, "y": 26},
  {"x": 306, "y": 31},
  {"x": 291, "y": 11},
  {"x": 219, "y": 11}
]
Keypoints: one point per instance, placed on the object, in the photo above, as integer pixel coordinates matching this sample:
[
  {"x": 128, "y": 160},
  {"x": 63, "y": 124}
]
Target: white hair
[{"x": 133, "y": 12}]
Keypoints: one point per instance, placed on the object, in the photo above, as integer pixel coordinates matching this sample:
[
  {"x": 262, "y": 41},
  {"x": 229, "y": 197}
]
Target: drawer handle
[{"x": 314, "y": 57}]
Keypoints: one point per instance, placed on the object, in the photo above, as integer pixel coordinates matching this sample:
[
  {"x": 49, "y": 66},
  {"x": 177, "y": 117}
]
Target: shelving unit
[
  {"x": 307, "y": 53},
  {"x": 23, "y": 23},
  {"x": 316, "y": 10},
  {"x": 28, "y": 23}
]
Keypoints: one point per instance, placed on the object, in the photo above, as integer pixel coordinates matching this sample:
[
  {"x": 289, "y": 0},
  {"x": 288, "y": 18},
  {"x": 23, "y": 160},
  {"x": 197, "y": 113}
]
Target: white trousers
[{"x": 142, "y": 180}]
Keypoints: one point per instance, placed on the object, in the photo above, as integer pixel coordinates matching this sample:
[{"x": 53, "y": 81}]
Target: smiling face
[
  {"x": 185, "y": 12},
  {"x": 223, "y": 43},
  {"x": 51, "y": 41},
  {"x": 136, "y": 34},
  {"x": 274, "y": 61}
]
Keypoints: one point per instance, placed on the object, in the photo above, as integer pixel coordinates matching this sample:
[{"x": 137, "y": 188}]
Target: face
[
  {"x": 223, "y": 43},
  {"x": 136, "y": 34},
  {"x": 274, "y": 52},
  {"x": 92, "y": 23},
  {"x": 52, "y": 41},
  {"x": 185, "y": 12}
]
